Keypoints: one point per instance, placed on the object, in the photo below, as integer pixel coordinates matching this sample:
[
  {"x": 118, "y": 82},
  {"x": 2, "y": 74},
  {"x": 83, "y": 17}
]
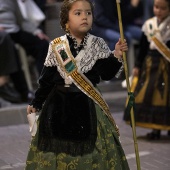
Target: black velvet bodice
[{"x": 104, "y": 69}]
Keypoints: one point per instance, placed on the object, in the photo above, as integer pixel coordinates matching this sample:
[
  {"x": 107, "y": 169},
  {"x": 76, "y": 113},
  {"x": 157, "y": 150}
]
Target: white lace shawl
[
  {"x": 95, "y": 49},
  {"x": 161, "y": 31}
]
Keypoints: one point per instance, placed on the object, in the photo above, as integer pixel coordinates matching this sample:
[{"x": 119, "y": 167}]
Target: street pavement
[{"x": 15, "y": 137}]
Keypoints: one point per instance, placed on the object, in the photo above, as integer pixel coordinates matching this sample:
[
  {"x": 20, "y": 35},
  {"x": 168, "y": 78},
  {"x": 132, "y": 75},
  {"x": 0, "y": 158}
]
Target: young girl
[
  {"x": 75, "y": 127},
  {"x": 152, "y": 68}
]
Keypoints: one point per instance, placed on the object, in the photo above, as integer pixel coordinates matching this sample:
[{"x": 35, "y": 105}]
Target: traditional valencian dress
[
  {"x": 76, "y": 129},
  {"x": 152, "y": 87}
]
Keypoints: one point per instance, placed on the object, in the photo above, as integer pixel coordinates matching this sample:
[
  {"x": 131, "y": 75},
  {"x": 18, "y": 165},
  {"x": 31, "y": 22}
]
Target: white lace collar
[{"x": 95, "y": 49}]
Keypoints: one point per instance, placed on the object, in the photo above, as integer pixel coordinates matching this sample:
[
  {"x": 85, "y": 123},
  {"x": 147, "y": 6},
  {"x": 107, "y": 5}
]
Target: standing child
[
  {"x": 75, "y": 127},
  {"x": 152, "y": 68}
]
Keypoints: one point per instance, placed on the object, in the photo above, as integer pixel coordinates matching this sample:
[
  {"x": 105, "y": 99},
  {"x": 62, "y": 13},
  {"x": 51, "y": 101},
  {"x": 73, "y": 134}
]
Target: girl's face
[
  {"x": 161, "y": 9},
  {"x": 80, "y": 18}
]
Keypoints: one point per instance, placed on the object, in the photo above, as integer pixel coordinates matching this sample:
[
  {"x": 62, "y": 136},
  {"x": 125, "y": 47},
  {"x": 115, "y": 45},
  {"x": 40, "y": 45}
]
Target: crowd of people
[
  {"x": 16, "y": 28},
  {"x": 21, "y": 30}
]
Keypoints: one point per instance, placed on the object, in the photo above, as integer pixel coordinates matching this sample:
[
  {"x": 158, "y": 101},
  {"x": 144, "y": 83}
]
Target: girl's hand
[
  {"x": 30, "y": 109},
  {"x": 120, "y": 47}
]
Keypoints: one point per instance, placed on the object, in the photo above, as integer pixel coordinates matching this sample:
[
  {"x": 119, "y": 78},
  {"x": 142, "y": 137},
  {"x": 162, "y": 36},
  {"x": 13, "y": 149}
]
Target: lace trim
[
  {"x": 52, "y": 61},
  {"x": 82, "y": 44},
  {"x": 94, "y": 48}
]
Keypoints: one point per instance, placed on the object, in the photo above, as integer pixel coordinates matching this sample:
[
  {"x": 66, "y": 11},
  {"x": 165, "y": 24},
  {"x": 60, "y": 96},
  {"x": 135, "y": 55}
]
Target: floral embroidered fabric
[{"x": 107, "y": 155}]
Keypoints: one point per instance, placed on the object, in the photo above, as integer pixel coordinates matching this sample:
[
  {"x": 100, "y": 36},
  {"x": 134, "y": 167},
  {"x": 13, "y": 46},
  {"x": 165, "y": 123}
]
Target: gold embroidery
[
  {"x": 162, "y": 48},
  {"x": 94, "y": 95}
]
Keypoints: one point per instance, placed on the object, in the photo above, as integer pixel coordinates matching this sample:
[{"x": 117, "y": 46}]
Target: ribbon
[{"x": 131, "y": 103}]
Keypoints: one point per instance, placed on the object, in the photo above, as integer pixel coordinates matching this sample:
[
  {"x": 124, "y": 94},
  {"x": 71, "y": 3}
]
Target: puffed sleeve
[
  {"x": 46, "y": 83},
  {"x": 48, "y": 78}
]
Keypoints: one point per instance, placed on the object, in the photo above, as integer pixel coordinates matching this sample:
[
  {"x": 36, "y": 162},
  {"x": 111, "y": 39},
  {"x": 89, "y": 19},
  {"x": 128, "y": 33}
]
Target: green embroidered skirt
[{"x": 107, "y": 155}]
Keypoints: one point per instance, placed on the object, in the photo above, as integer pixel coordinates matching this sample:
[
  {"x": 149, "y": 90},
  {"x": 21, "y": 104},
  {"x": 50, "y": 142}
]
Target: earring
[{"x": 67, "y": 28}]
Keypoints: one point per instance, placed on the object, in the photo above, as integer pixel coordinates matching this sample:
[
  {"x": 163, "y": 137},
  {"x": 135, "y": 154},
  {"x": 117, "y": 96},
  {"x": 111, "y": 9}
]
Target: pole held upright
[{"x": 128, "y": 86}]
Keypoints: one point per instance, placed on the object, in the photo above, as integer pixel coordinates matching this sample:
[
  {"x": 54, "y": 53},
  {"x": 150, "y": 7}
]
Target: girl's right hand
[
  {"x": 31, "y": 109},
  {"x": 135, "y": 71}
]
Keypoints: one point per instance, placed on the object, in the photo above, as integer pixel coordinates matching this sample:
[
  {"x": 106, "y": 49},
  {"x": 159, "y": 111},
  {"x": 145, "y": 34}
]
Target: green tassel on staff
[{"x": 128, "y": 87}]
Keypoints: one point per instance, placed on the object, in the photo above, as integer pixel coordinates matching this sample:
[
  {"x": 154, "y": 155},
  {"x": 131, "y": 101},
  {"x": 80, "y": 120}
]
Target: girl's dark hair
[{"x": 65, "y": 8}]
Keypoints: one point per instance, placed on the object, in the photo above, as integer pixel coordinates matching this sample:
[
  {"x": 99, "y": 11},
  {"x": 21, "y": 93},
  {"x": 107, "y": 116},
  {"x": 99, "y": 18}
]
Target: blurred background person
[
  {"x": 13, "y": 86},
  {"x": 106, "y": 20},
  {"x": 15, "y": 19},
  {"x": 148, "y": 9},
  {"x": 42, "y": 5},
  {"x": 152, "y": 70}
]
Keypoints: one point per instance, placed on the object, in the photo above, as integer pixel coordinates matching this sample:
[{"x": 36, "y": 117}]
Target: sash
[
  {"x": 66, "y": 60},
  {"x": 162, "y": 48}
]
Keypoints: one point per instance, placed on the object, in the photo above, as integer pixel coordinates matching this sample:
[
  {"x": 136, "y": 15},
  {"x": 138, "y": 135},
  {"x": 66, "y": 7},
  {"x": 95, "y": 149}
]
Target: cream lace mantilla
[
  {"x": 95, "y": 49},
  {"x": 161, "y": 31},
  {"x": 158, "y": 35}
]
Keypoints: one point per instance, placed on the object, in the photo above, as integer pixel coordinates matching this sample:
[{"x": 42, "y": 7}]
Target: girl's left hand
[{"x": 120, "y": 47}]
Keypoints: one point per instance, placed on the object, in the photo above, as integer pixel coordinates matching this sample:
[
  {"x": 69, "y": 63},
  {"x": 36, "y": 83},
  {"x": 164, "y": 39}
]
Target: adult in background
[
  {"x": 106, "y": 20},
  {"x": 42, "y": 5},
  {"x": 15, "y": 21},
  {"x": 11, "y": 73}
]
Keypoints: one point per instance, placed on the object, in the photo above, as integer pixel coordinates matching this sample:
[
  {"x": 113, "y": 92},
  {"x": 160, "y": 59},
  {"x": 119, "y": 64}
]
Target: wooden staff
[{"x": 128, "y": 86}]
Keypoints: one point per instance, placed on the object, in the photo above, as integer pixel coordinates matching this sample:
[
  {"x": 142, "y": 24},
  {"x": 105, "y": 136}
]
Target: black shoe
[
  {"x": 27, "y": 97},
  {"x": 155, "y": 134},
  {"x": 8, "y": 93}
]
